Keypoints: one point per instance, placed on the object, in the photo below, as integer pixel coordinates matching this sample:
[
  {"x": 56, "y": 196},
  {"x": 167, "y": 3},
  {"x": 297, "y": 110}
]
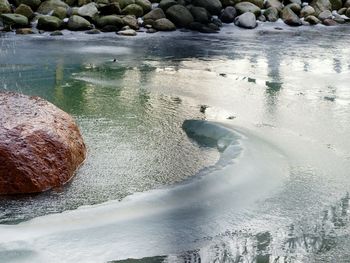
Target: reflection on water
[
  {"x": 299, "y": 242},
  {"x": 131, "y": 96}
]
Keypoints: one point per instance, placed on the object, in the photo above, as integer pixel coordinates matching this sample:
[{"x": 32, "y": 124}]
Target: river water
[{"x": 231, "y": 147}]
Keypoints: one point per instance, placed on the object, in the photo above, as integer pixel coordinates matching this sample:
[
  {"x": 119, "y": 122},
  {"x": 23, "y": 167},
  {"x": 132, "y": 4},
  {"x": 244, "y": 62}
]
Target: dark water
[{"x": 286, "y": 91}]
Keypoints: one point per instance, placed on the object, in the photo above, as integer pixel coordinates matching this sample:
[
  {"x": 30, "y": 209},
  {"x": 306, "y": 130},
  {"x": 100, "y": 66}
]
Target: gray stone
[
  {"x": 329, "y": 22},
  {"x": 125, "y": 3},
  {"x": 32, "y": 3},
  {"x": 200, "y": 14},
  {"x": 244, "y": 7},
  {"x": 325, "y": 15},
  {"x": 274, "y": 3},
  {"x": 262, "y": 18},
  {"x": 164, "y": 24},
  {"x": 50, "y": 5},
  {"x": 145, "y": 4},
  {"x": 336, "y": 4},
  {"x": 155, "y": 14},
  {"x": 127, "y": 32},
  {"x": 179, "y": 15},
  {"x": 246, "y": 20},
  {"x": 131, "y": 21},
  {"x": 133, "y": 9},
  {"x": 228, "y": 15},
  {"x": 165, "y": 4},
  {"x": 320, "y": 6},
  {"x": 111, "y": 20},
  {"x": 312, "y": 20},
  {"x": 60, "y": 12},
  {"x": 213, "y": 6},
  {"x": 289, "y": 17},
  {"x": 25, "y": 10},
  {"x": 5, "y": 7},
  {"x": 49, "y": 23},
  {"x": 14, "y": 20},
  {"x": 307, "y": 11},
  {"x": 93, "y": 32},
  {"x": 76, "y": 23},
  {"x": 296, "y": 8},
  {"x": 56, "y": 33},
  {"x": 90, "y": 10},
  {"x": 271, "y": 14}
]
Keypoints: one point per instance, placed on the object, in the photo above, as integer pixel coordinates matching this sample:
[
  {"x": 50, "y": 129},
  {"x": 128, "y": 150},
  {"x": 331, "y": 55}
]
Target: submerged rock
[{"x": 40, "y": 145}]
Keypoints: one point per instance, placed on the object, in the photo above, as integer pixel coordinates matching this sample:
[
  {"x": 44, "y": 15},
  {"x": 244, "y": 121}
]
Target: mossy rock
[
  {"x": 24, "y": 10},
  {"x": 5, "y": 7},
  {"x": 179, "y": 15},
  {"x": 76, "y": 23},
  {"x": 145, "y": 4},
  {"x": 14, "y": 20},
  {"x": 134, "y": 10},
  {"x": 50, "y": 5},
  {"x": 111, "y": 20},
  {"x": 49, "y": 23},
  {"x": 244, "y": 7},
  {"x": 125, "y": 3}
]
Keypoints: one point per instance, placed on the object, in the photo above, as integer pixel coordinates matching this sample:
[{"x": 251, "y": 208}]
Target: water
[{"x": 274, "y": 190}]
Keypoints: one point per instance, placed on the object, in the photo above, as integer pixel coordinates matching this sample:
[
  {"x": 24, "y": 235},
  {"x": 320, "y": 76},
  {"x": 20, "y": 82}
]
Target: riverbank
[{"x": 130, "y": 17}]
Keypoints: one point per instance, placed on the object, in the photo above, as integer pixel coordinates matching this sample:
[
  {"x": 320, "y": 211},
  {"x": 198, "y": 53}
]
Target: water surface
[{"x": 282, "y": 199}]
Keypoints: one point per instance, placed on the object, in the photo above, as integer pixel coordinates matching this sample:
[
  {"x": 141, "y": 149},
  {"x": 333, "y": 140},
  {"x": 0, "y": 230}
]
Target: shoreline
[{"x": 134, "y": 17}]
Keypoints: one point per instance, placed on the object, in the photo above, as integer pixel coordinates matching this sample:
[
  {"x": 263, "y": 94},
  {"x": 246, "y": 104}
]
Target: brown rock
[{"x": 40, "y": 145}]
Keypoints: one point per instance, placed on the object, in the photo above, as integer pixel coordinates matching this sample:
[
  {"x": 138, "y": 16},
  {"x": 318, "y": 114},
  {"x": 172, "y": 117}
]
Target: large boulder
[
  {"x": 25, "y": 10},
  {"x": 145, "y": 4},
  {"x": 246, "y": 20},
  {"x": 290, "y": 18},
  {"x": 155, "y": 14},
  {"x": 50, "y": 5},
  {"x": 40, "y": 145},
  {"x": 213, "y": 6},
  {"x": 164, "y": 24},
  {"x": 111, "y": 20},
  {"x": 49, "y": 23},
  {"x": 89, "y": 11},
  {"x": 274, "y": 3},
  {"x": 200, "y": 14},
  {"x": 336, "y": 4},
  {"x": 307, "y": 11},
  {"x": 165, "y": 4},
  {"x": 320, "y": 6},
  {"x": 32, "y": 3},
  {"x": 14, "y": 20},
  {"x": 76, "y": 23},
  {"x": 179, "y": 15},
  {"x": 228, "y": 14},
  {"x": 5, "y": 7},
  {"x": 133, "y": 9},
  {"x": 271, "y": 14},
  {"x": 244, "y": 7}
]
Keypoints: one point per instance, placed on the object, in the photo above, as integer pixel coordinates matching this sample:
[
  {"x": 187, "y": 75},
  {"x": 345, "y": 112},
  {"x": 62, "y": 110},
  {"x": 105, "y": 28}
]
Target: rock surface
[
  {"x": 246, "y": 20},
  {"x": 40, "y": 145}
]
